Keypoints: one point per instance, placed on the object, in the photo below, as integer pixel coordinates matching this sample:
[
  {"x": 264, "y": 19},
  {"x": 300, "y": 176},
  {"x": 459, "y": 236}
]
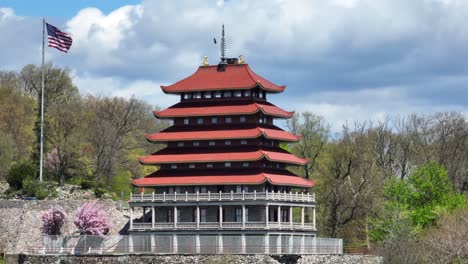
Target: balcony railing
[
  {"x": 232, "y": 196},
  {"x": 223, "y": 225}
]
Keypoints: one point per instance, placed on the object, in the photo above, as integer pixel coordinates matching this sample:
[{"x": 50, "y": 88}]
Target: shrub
[
  {"x": 87, "y": 184},
  {"x": 90, "y": 220},
  {"x": 98, "y": 191},
  {"x": 33, "y": 188},
  {"x": 18, "y": 173},
  {"x": 53, "y": 220}
]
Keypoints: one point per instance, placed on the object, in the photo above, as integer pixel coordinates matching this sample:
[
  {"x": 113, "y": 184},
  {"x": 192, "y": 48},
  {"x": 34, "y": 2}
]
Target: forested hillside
[
  {"x": 90, "y": 141},
  {"x": 397, "y": 186}
]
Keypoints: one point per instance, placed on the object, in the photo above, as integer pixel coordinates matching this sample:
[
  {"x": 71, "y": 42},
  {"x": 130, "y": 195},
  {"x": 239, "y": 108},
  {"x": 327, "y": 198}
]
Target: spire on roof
[{"x": 223, "y": 45}]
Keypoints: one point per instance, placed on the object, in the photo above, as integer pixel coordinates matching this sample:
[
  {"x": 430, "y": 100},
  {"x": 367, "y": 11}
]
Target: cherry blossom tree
[
  {"x": 90, "y": 220},
  {"x": 53, "y": 220}
]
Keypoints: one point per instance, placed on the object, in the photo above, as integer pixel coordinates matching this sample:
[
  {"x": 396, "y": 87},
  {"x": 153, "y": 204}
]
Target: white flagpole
[{"x": 42, "y": 105}]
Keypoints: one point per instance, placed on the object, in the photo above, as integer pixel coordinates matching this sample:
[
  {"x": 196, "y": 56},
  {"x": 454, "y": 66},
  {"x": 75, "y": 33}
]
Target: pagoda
[{"x": 223, "y": 172}]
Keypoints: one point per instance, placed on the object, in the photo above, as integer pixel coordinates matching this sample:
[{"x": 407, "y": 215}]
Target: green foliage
[
  {"x": 121, "y": 183},
  {"x": 426, "y": 194},
  {"x": 417, "y": 202},
  {"x": 33, "y": 188},
  {"x": 18, "y": 173},
  {"x": 99, "y": 191},
  {"x": 87, "y": 184},
  {"x": 7, "y": 153}
]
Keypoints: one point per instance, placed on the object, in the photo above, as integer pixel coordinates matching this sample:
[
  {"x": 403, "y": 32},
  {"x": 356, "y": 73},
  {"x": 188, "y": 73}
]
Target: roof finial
[{"x": 223, "y": 45}]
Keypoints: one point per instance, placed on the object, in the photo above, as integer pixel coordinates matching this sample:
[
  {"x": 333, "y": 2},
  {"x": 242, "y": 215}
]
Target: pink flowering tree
[
  {"x": 90, "y": 220},
  {"x": 53, "y": 220}
]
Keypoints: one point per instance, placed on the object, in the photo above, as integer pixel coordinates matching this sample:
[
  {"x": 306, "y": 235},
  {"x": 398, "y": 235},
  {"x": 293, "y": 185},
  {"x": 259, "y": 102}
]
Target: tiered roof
[
  {"x": 236, "y": 77},
  {"x": 221, "y": 134},
  {"x": 209, "y": 79},
  {"x": 186, "y": 110}
]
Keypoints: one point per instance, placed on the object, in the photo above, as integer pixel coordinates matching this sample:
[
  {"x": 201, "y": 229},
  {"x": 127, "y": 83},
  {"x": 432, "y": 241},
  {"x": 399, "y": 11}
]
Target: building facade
[{"x": 223, "y": 172}]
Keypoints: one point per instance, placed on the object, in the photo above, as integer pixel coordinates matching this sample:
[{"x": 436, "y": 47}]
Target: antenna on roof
[{"x": 222, "y": 46}]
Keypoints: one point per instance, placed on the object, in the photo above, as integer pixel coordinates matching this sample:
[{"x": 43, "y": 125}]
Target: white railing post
[
  {"x": 131, "y": 197},
  {"x": 175, "y": 216},
  {"x": 290, "y": 195},
  {"x": 243, "y": 194},
  {"x": 232, "y": 195},
  {"x": 220, "y": 195},
  {"x": 175, "y": 196},
  {"x": 131, "y": 217},
  {"x": 279, "y": 216},
  {"x": 266, "y": 216},
  {"x": 197, "y": 196},
  {"x": 308, "y": 197},
  {"x": 152, "y": 217},
  {"x": 284, "y": 195},
  {"x": 291, "y": 216},
  {"x": 302, "y": 196},
  {"x": 220, "y": 216},
  {"x": 255, "y": 194},
  {"x": 243, "y": 216},
  {"x": 164, "y": 196},
  {"x": 198, "y": 217},
  {"x": 209, "y": 195},
  {"x": 297, "y": 199},
  {"x": 152, "y": 198},
  {"x": 302, "y": 217},
  {"x": 186, "y": 196},
  {"x": 142, "y": 196},
  {"x": 313, "y": 217}
]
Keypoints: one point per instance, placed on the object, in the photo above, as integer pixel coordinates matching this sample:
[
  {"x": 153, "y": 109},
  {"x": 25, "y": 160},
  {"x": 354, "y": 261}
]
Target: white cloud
[
  {"x": 146, "y": 90},
  {"x": 344, "y": 59}
]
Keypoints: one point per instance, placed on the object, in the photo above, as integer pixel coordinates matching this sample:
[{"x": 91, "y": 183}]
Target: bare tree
[
  {"x": 115, "y": 124},
  {"x": 64, "y": 136},
  {"x": 314, "y": 136},
  {"x": 349, "y": 178}
]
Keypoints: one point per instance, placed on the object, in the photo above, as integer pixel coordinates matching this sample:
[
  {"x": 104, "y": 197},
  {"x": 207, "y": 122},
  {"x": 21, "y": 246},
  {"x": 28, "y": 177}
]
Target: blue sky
[
  {"x": 347, "y": 60},
  {"x": 59, "y": 9}
]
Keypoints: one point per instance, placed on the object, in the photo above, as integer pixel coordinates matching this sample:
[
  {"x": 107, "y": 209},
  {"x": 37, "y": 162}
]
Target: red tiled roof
[
  {"x": 275, "y": 179},
  {"x": 223, "y": 134},
  {"x": 223, "y": 110},
  {"x": 222, "y": 157},
  {"x": 208, "y": 78}
]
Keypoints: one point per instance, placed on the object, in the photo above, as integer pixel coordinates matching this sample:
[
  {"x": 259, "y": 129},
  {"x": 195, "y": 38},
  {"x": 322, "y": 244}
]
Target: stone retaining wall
[
  {"x": 20, "y": 221},
  {"x": 184, "y": 259}
]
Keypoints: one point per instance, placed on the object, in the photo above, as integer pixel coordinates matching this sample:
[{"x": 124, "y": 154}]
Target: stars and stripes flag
[{"x": 58, "y": 39}]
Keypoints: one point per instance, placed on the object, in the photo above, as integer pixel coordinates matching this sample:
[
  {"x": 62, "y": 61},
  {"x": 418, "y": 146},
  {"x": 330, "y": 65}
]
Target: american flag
[{"x": 58, "y": 39}]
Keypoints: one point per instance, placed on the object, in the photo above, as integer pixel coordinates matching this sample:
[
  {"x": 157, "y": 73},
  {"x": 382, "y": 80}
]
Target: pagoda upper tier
[
  {"x": 233, "y": 77},
  {"x": 185, "y": 109},
  {"x": 223, "y": 133},
  {"x": 173, "y": 134}
]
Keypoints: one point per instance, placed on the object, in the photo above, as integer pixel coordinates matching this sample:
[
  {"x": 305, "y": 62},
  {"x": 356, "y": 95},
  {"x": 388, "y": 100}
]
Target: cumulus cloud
[{"x": 344, "y": 59}]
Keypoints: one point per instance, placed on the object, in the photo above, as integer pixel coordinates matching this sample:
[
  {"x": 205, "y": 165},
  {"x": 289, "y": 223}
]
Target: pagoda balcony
[
  {"x": 223, "y": 226},
  {"x": 231, "y": 196}
]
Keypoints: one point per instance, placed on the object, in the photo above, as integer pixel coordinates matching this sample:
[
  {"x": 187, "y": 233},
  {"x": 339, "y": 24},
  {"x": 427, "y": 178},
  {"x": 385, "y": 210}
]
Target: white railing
[
  {"x": 224, "y": 225},
  {"x": 187, "y": 244},
  {"x": 232, "y": 196}
]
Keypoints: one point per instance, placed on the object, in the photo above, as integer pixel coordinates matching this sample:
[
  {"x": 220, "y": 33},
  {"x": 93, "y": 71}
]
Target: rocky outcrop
[{"x": 20, "y": 225}]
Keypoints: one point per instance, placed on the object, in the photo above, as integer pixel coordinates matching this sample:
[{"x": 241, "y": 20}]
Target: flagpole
[{"x": 42, "y": 105}]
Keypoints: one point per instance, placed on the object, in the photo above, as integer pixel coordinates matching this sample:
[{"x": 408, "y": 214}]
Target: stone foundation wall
[
  {"x": 184, "y": 259},
  {"x": 20, "y": 221}
]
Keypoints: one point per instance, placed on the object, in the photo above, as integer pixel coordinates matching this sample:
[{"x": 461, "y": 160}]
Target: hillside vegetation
[{"x": 397, "y": 186}]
